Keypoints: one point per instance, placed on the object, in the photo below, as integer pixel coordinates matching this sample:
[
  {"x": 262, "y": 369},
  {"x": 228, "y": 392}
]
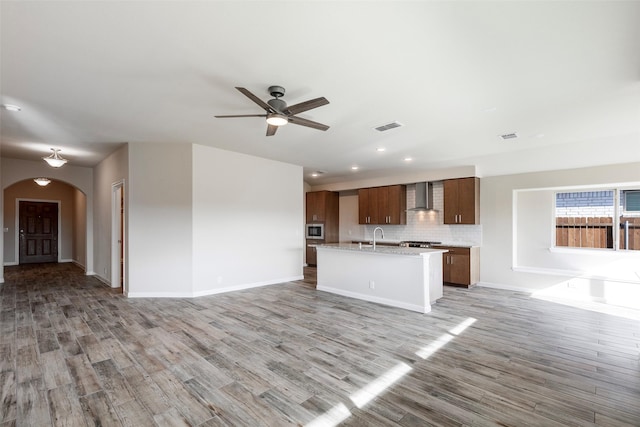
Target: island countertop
[{"x": 382, "y": 250}]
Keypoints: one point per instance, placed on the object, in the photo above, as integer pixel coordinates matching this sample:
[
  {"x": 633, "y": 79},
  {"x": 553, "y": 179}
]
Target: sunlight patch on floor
[
  {"x": 366, "y": 394},
  {"x": 332, "y": 417},
  {"x": 426, "y": 351},
  {"x": 602, "y": 296},
  {"x": 374, "y": 388}
]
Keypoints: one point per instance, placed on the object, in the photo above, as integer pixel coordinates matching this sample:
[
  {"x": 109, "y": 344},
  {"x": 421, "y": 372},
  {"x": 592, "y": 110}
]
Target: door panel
[{"x": 38, "y": 232}]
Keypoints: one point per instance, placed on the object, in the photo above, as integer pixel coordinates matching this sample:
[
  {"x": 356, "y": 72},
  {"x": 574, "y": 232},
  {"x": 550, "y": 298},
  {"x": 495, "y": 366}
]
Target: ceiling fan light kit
[
  {"x": 54, "y": 160},
  {"x": 277, "y": 119},
  {"x": 278, "y": 113}
]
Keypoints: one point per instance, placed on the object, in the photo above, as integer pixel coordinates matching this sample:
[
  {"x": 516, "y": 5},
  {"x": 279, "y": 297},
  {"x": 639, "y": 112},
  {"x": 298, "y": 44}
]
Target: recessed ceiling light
[
  {"x": 355, "y": 167},
  {"x": 11, "y": 107},
  {"x": 315, "y": 175},
  {"x": 380, "y": 149},
  {"x": 408, "y": 159}
]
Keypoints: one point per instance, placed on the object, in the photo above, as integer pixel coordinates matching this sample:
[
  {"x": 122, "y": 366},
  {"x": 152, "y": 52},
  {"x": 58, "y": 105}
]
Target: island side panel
[
  {"x": 436, "y": 285},
  {"x": 395, "y": 280}
]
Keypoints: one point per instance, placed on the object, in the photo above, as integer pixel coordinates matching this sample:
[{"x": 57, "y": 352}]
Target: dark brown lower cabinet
[
  {"x": 460, "y": 265},
  {"x": 312, "y": 258}
]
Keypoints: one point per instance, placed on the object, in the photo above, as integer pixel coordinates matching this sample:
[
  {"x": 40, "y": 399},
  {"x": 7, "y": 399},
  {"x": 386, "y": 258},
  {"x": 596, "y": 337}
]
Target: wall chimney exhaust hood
[{"x": 424, "y": 197}]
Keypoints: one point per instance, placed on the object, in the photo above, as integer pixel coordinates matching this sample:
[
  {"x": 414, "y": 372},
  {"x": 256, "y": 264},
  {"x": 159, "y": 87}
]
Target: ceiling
[{"x": 564, "y": 76}]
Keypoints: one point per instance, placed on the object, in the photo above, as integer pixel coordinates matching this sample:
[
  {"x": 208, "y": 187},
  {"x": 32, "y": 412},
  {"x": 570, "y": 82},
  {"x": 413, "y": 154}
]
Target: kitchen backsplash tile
[{"x": 429, "y": 226}]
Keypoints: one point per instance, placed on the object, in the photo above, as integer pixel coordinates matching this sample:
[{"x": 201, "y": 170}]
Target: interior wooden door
[{"x": 38, "y": 232}]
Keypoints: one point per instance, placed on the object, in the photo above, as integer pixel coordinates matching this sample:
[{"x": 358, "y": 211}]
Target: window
[
  {"x": 589, "y": 219},
  {"x": 631, "y": 199}
]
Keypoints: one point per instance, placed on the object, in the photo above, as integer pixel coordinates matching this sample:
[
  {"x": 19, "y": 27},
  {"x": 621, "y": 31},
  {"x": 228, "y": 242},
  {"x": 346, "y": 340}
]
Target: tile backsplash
[{"x": 428, "y": 226}]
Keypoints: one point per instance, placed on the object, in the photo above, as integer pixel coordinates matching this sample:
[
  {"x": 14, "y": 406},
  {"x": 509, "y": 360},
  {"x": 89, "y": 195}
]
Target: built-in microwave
[{"x": 315, "y": 231}]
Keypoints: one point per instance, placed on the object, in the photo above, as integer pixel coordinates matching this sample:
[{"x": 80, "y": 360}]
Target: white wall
[
  {"x": 159, "y": 220},
  {"x": 247, "y": 221},
  {"x": 79, "y": 225},
  {"x": 113, "y": 169},
  {"x": 519, "y": 208}
]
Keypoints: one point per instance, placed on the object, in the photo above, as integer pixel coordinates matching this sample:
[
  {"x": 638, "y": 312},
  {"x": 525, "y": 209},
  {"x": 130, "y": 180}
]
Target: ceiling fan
[{"x": 278, "y": 113}]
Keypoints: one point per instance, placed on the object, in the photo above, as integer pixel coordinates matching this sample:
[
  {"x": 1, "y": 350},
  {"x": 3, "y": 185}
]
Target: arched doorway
[{"x": 44, "y": 223}]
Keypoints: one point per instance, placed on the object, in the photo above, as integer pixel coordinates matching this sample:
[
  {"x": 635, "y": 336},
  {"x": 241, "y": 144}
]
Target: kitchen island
[{"x": 409, "y": 278}]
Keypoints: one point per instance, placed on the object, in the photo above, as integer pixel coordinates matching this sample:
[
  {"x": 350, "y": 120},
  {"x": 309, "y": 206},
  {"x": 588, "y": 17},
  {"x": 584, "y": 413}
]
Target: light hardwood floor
[{"x": 74, "y": 352}]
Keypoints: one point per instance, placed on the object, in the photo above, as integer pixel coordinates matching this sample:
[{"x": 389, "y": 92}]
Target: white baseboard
[
  {"x": 506, "y": 287},
  {"x": 211, "y": 291},
  {"x": 10, "y": 263},
  {"x": 80, "y": 265},
  {"x": 102, "y": 279},
  {"x": 369, "y": 298}
]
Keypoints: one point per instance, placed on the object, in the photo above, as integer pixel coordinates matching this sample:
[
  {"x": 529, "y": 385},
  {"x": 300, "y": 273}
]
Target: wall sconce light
[
  {"x": 54, "y": 160},
  {"x": 42, "y": 182}
]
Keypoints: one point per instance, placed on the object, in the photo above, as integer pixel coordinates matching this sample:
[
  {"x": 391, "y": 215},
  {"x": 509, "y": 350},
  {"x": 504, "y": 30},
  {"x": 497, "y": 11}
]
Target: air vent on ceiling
[
  {"x": 506, "y": 136},
  {"x": 388, "y": 126}
]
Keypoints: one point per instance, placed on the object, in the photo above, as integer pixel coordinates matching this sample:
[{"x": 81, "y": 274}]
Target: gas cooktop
[{"x": 417, "y": 244}]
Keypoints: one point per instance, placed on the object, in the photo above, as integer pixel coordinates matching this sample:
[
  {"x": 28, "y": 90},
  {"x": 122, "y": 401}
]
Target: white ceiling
[{"x": 565, "y": 76}]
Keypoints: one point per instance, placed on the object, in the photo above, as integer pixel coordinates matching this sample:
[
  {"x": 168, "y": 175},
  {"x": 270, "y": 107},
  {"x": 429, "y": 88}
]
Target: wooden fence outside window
[{"x": 596, "y": 232}]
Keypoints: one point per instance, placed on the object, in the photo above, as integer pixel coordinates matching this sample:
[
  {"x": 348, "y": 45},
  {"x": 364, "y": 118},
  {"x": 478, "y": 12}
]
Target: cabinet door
[
  {"x": 363, "y": 206},
  {"x": 446, "y": 268},
  {"x": 383, "y": 204},
  {"x": 468, "y": 200},
  {"x": 397, "y": 204},
  {"x": 373, "y": 206},
  {"x": 368, "y": 206},
  {"x": 461, "y": 201},
  {"x": 316, "y": 203},
  {"x": 456, "y": 265},
  {"x": 311, "y": 256},
  {"x": 459, "y": 269},
  {"x": 450, "y": 188}
]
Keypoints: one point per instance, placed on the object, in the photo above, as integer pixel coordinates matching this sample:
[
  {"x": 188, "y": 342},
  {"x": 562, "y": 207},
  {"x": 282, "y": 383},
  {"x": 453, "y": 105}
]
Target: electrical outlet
[{"x": 372, "y": 284}]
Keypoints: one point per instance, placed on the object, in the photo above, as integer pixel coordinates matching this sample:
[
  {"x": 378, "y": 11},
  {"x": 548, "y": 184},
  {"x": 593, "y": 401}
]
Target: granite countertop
[
  {"x": 397, "y": 242},
  {"x": 378, "y": 242},
  {"x": 386, "y": 250},
  {"x": 458, "y": 245}
]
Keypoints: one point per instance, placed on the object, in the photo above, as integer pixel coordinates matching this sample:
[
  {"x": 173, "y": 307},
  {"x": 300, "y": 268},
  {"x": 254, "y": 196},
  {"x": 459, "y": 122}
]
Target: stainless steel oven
[{"x": 315, "y": 231}]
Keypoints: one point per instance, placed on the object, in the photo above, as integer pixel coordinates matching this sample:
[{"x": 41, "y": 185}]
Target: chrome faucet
[{"x": 374, "y": 236}]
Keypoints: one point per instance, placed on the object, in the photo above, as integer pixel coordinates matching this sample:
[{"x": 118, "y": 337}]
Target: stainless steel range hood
[{"x": 424, "y": 197}]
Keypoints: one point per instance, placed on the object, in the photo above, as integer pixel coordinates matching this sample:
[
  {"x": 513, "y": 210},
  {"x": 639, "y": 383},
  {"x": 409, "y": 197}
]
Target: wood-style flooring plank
[{"x": 65, "y": 407}]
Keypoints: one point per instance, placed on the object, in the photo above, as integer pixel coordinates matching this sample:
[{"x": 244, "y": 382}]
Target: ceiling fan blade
[
  {"x": 271, "y": 130},
  {"x": 308, "y": 123},
  {"x": 241, "y": 115},
  {"x": 268, "y": 108},
  {"x": 306, "y": 106}
]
